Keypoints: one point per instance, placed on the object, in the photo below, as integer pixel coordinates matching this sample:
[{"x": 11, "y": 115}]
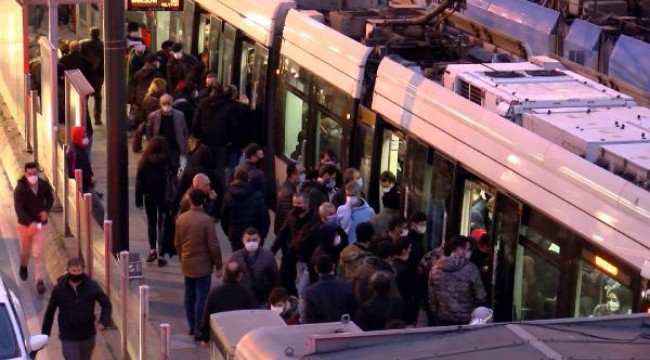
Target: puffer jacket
[
  {"x": 262, "y": 274},
  {"x": 361, "y": 278},
  {"x": 455, "y": 289},
  {"x": 351, "y": 258},
  {"x": 243, "y": 207}
]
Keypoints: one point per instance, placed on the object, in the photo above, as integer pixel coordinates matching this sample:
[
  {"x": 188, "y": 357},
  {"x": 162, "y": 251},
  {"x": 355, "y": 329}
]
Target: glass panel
[
  {"x": 329, "y": 136},
  {"x": 533, "y": 23},
  {"x": 295, "y": 76},
  {"x": 176, "y": 26},
  {"x": 477, "y": 210},
  {"x": 259, "y": 78},
  {"x": 8, "y": 344},
  {"x": 213, "y": 42},
  {"x": 366, "y": 135},
  {"x": 418, "y": 178},
  {"x": 393, "y": 148},
  {"x": 332, "y": 98},
  {"x": 203, "y": 34},
  {"x": 598, "y": 294},
  {"x": 546, "y": 233},
  {"x": 188, "y": 25},
  {"x": 442, "y": 180},
  {"x": 536, "y": 286},
  {"x": 295, "y": 117},
  {"x": 246, "y": 68},
  {"x": 582, "y": 42},
  {"x": 227, "y": 49},
  {"x": 624, "y": 63}
]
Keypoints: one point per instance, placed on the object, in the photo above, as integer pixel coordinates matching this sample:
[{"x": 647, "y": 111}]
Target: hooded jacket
[
  {"x": 243, "y": 207},
  {"x": 28, "y": 205},
  {"x": 77, "y": 158},
  {"x": 349, "y": 217},
  {"x": 351, "y": 258},
  {"x": 455, "y": 289}
]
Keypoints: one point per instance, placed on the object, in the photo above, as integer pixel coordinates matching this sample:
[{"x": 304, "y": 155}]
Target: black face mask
[
  {"x": 297, "y": 210},
  {"x": 76, "y": 278}
]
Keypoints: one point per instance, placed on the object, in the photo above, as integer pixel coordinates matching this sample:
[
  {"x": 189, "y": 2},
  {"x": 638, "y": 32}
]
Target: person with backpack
[{"x": 353, "y": 255}]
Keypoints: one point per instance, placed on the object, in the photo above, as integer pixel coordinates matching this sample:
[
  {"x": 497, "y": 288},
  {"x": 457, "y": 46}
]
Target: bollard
[
  {"x": 144, "y": 317},
  {"x": 88, "y": 220},
  {"x": 78, "y": 176},
  {"x": 108, "y": 256},
  {"x": 124, "y": 286},
  {"x": 35, "y": 106},
  {"x": 165, "y": 333}
]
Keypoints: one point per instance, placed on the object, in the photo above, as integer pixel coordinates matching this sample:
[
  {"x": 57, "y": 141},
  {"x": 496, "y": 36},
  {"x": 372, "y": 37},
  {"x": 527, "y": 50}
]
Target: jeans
[
  {"x": 33, "y": 240},
  {"x": 78, "y": 350},
  {"x": 156, "y": 210},
  {"x": 196, "y": 293}
]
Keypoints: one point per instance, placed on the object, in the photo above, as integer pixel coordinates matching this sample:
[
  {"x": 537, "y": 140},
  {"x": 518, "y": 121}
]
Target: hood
[
  {"x": 451, "y": 263},
  {"x": 364, "y": 205},
  {"x": 240, "y": 189},
  {"x": 77, "y": 136}
]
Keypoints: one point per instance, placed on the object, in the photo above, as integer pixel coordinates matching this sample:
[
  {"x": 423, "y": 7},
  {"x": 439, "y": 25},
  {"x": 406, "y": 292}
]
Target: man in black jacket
[
  {"x": 329, "y": 298},
  {"x": 33, "y": 200},
  {"x": 295, "y": 175},
  {"x": 93, "y": 50},
  {"x": 75, "y": 296}
]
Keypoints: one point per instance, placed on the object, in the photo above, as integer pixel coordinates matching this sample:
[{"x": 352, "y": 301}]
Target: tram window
[
  {"x": 295, "y": 124},
  {"x": 418, "y": 176},
  {"x": 536, "y": 286},
  {"x": 258, "y": 91},
  {"x": 393, "y": 150},
  {"x": 332, "y": 98},
  {"x": 295, "y": 76},
  {"x": 442, "y": 179},
  {"x": 175, "y": 26},
  {"x": 598, "y": 294},
  {"x": 214, "y": 33},
  {"x": 366, "y": 135},
  {"x": 246, "y": 68},
  {"x": 188, "y": 24},
  {"x": 227, "y": 50},
  {"x": 551, "y": 247},
  {"x": 477, "y": 210},
  {"x": 329, "y": 135},
  {"x": 203, "y": 34}
]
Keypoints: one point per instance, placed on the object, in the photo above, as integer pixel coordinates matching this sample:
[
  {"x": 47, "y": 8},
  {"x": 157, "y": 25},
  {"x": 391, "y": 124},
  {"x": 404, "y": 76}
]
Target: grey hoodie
[{"x": 455, "y": 289}]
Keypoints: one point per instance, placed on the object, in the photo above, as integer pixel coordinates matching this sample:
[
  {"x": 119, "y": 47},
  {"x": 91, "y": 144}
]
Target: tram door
[
  {"x": 392, "y": 157},
  {"x": 213, "y": 37},
  {"x": 227, "y": 51}
]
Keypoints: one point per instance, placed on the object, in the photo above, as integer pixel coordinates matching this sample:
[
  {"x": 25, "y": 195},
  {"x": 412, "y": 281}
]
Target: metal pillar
[
  {"x": 117, "y": 205},
  {"x": 53, "y": 22}
]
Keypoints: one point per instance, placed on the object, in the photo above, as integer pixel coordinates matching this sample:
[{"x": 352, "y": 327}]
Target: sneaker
[
  {"x": 162, "y": 262},
  {"x": 152, "y": 257},
  {"x": 40, "y": 287},
  {"x": 23, "y": 273}
]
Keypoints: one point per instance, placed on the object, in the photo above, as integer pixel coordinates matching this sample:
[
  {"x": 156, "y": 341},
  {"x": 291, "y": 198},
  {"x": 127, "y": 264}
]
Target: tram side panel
[{"x": 12, "y": 82}]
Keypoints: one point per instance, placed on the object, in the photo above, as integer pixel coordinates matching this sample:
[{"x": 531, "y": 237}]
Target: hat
[
  {"x": 177, "y": 47},
  {"x": 151, "y": 58},
  {"x": 78, "y": 133}
]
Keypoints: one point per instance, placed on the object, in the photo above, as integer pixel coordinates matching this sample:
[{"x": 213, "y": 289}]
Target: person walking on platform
[
  {"x": 254, "y": 154},
  {"x": 170, "y": 124},
  {"x": 295, "y": 176},
  {"x": 33, "y": 200},
  {"x": 150, "y": 187},
  {"x": 198, "y": 251},
  {"x": 137, "y": 89},
  {"x": 93, "y": 50},
  {"x": 243, "y": 207},
  {"x": 329, "y": 298},
  {"x": 179, "y": 66},
  {"x": 77, "y": 158},
  {"x": 135, "y": 61},
  {"x": 74, "y": 296}
]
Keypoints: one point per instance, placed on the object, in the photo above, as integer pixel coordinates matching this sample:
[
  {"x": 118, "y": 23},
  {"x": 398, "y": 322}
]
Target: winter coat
[
  {"x": 201, "y": 161},
  {"x": 139, "y": 84},
  {"x": 260, "y": 275},
  {"x": 284, "y": 204},
  {"x": 380, "y": 221},
  {"x": 317, "y": 193},
  {"x": 76, "y": 309},
  {"x": 295, "y": 234},
  {"x": 77, "y": 61},
  {"x": 196, "y": 244},
  {"x": 361, "y": 278},
  {"x": 134, "y": 63},
  {"x": 177, "y": 70},
  {"x": 150, "y": 103},
  {"x": 455, "y": 289},
  {"x": 255, "y": 176},
  {"x": 180, "y": 129},
  {"x": 151, "y": 178},
  {"x": 243, "y": 207},
  {"x": 187, "y": 107},
  {"x": 325, "y": 234},
  {"x": 77, "y": 158},
  {"x": 408, "y": 282},
  {"x": 328, "y": 300},
  {"x": 28, "y": 205},
  {"x": 377, "y": 312},
  {"x": 213, "y": 122},
  {"x": 225, "y": 297},
  {"x": 349, "y": 217},
  {"x": 351, "y": 258},
  {"x": 93, "y": 51}
]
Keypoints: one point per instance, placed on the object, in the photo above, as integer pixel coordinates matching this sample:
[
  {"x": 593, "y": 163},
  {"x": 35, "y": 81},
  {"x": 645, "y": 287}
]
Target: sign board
[
  {"x": 155, "y": 5},
  {"x": 135, "y": 267}
]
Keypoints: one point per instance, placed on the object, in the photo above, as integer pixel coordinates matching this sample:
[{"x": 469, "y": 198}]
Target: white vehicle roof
[
  {"x": 633, "y": 159},
  {"x": 260, "y": 20},
  {"x": 325, "y": 52},
  {"x": 531, "y": 86},
  {"x": 593, "y": 202}
]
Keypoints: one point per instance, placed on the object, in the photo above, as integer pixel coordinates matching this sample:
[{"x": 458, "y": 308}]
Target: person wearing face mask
[
  {"x": 170, "y": 124},
  {"x": 75, "y": 296},
  {"x": 390, "y": 210},
  {"x": 455, "y": 285},
  {"x": 135, "y": 61},
  {"x": 349, "y": 175},
  {"x": 353, "y": 255},
  {"x": 253, "y": 160},
  {"x": 329, "y": 298},
  {"x": 33, "y": 200},
  {"x": 618, "y": 302},
  {"x": 332, "y": 240},
  {"x": 77, "y": 158},
  {"x": 138, "y": 89},
  {"x": 388, "y": 184},
  {"x": 179, "y": 65},
  {"x": 260, "y": 270},
  {"x": 355, "y": 211},
  {"x": 284, "y": 304},
  {"x": 295, "y": 177},
  {"x": 321, "y": 185}
]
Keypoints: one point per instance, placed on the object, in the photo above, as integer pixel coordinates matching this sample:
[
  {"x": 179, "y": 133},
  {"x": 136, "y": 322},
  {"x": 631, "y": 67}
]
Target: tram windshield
[{"x": 599, "y": 294}]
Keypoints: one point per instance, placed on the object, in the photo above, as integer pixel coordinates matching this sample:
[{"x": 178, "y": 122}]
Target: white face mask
[
  {"x": 351, "y": 200},
  {"x": 385, "y": 189},
  {"x": 277, "y": 309},
  {"x": 337, "y": 240},
  {"x": 167, "y": 109},
  {"x": 404, "y": 232},
  {"x": 468, "y": 254},
  {"x": 178, "y": 55},
  {"x": 614, "y": 305},
  {"x": 302, "y": 178},
  {"x": 32, "y": 179},
  {"x": 85, "y": 141},
  {"x": 422, "y": 229},
  {"x": 360, "y": 182},
  {"x": 252, "y": 246}
]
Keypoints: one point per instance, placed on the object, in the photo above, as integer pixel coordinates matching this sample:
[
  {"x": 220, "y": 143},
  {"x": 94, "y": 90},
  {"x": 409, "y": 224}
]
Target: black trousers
[{"x": 156, "y": 211}]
